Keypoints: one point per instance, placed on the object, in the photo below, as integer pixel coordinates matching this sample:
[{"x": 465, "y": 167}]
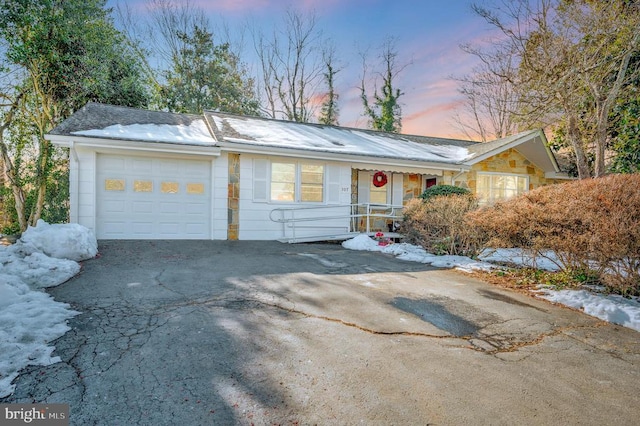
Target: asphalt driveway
[{"x": 221, "y": 332}]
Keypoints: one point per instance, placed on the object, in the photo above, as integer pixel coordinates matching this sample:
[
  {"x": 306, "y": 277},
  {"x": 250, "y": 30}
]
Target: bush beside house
[
  {"x": 437, "y": 222},
  {"x": 592, "y": 226}
]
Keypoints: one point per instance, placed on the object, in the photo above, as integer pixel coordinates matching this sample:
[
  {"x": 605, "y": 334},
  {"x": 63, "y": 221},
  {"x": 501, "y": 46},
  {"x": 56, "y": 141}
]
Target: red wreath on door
[{"x": 379, "y": 179}]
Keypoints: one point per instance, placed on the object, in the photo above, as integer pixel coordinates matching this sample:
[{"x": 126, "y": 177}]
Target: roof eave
[
  {"x": 335, "y": 156},
  {"x": 69, "y": 141},
  {"x": 531, "y": 136}
]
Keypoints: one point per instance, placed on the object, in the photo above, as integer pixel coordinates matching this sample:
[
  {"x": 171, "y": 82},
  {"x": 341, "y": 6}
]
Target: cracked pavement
[{"x": 224, "y": 332}]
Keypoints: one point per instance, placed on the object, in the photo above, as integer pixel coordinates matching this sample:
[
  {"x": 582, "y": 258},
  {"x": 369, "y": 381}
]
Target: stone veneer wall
[
  {"x": 411, "y": 187},
  {"x": 354, "y": 186},
  {"x": 510, "y": 161},
  {"x": 233, "y": 195}
]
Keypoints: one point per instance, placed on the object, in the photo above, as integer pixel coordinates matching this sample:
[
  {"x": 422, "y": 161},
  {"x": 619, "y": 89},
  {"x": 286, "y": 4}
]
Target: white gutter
[
  {"x": 134, "y": 145},
  {"x": 74, "y": 157},
  {"x": 335, "y": 156},
  {"x": 453, "y": 179}
]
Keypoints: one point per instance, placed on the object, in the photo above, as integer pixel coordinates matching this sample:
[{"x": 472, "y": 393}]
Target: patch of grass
[{"x": 529, "y": 278}]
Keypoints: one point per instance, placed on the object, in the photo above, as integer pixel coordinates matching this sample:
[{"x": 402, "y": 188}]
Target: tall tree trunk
[
  {"x": 576, "y": 143},
  {"x": 601, "y": 142},
  {"x": 7, "y": 164},
  {"x": 18, "y": 193},
  {"x": 43, "y": 175}
]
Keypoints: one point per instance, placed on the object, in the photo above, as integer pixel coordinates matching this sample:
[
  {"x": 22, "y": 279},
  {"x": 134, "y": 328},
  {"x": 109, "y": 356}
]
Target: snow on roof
[
  {"x": 285, "y": 134},
  {"x": 195, "y": 133}
]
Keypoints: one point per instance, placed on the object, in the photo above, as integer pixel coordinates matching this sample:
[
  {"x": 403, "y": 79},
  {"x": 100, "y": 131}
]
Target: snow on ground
[
  {"x": 611, "y": 308},
  {"x": 29, "y": 317}
]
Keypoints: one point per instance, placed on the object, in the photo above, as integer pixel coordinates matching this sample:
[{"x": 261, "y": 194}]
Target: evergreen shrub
[{"x": 438, "y": 190}]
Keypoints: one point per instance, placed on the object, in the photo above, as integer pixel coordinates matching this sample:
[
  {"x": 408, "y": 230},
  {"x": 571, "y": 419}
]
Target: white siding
[
  {"x": 85, "y": 194},
  {"x": 255, "y": 223}
]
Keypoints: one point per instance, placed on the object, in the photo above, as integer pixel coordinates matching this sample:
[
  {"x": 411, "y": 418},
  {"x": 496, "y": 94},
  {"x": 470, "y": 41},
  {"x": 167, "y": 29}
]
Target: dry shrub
[
  {"x": 438, "y": 224},
  {"x": 593, "y": 226}
]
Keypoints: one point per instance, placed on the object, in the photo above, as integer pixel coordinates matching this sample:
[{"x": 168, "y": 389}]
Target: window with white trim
[
  {"x": 492, "y": 187},
  {"x": 297, "y": 182}
]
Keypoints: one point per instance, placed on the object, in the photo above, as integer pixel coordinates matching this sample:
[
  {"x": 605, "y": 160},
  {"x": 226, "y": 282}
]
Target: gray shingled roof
[
  {"x": 264, "y": 133},
  {"x": 269, "y": 133},
  {"x": 98, "y": 116}
]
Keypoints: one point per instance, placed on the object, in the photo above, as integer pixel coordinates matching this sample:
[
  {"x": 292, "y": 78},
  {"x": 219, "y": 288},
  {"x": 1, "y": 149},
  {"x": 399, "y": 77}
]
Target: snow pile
[
  {"x": 413, "y": 253},
  {"x": 611, "y": 308},
  {"x": 62, "y": 241},
  {"x": 30, "y": 318},
  {"x": 548, "y": 262}
]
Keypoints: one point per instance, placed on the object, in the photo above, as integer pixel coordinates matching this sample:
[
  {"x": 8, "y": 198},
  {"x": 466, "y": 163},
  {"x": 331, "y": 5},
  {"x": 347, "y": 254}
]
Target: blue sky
[{"x": 428, "y": 34}]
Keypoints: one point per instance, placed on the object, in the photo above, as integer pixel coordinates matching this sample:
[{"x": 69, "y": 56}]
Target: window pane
[
  {"x": 283, "y": 177},
  {"x": 281, "y": 172},
  {"x": 311, "y": 183},
  {"x": 494, "y": 187},
  {"x": 282, "y": 191},
  {"x": 483, "y": 188},
  {"x": 311, "y": 193}
]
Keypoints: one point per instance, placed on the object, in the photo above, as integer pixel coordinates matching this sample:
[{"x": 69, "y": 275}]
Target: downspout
[
  {"x": 75, "y": 206},
  {"x": 453, "y": 179}
]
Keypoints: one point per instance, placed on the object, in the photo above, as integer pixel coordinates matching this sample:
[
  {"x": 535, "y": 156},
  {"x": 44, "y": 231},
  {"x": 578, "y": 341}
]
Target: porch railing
[{"x": 310, "y": 218}]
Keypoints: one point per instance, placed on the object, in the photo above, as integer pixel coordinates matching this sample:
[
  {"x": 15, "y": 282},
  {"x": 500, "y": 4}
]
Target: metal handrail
[{"x": 371, "y": 210}]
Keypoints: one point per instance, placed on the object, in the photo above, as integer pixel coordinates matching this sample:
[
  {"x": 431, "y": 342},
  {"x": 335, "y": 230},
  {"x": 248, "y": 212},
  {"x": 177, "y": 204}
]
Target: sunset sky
[{"x": 428, "y": 34}]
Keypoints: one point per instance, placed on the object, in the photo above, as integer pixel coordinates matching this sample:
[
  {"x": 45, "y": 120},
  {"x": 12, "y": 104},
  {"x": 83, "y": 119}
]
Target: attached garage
[{"x": 139, "y": 197}]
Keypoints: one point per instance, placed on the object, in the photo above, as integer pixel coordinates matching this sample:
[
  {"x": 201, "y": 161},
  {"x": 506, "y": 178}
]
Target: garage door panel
[
  {"x": 142, "y": 207},
  {"x": 141, "y": 165},
  {"x": 193, "y": 228},
  {"x": 115, "y": 228},
  {"x": 197, "y": 170},
  {"x": 113, "y": 164},
  {"x": 153, "y": 198},
  {"x": 115, "y": 206},
  {"x": 169, "y": 228},
  {"x": 169, "y": 166},
  {"x": 169, "y": 208},
  {"x": 193, "y": 208},
  {"x": 142, "y": 230}
]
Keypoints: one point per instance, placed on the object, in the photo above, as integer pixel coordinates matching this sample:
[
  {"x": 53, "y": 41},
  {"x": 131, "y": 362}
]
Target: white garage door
[{"x": 152, "y": 198}]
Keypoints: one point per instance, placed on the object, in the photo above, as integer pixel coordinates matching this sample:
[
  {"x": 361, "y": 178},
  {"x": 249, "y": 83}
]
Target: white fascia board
[
  {"x": 514, "y": 144},
  {"x": 502, "y": 148},
  {"x": 334, "y": 156},
  {"x": 558, "y": 175},
  {"x": 138, "y": 146}
]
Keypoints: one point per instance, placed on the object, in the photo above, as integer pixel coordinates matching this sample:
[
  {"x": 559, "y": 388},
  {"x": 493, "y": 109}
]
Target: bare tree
[
  {"x": 290, "y": 67},
  {"x": 573, "y": 60},
  {"x": 490, "y": 97}
]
